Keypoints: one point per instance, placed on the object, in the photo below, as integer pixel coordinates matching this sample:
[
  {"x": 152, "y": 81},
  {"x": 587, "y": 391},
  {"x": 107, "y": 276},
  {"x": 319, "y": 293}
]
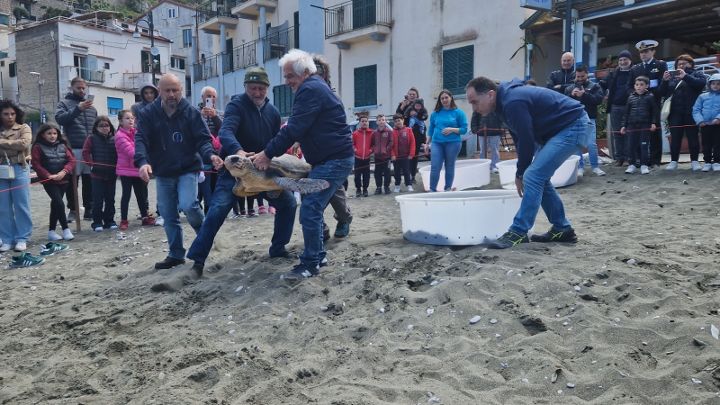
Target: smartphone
[
  {"x": 673, "y": 73},
  {"x": 90, "y": 97},
  {"x": 209, "y": 103}
]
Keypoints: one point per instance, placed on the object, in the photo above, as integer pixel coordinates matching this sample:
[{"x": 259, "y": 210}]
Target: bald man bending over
[
  {"x": 560, "y": 80},
  {"x": 171, "y": 138}
]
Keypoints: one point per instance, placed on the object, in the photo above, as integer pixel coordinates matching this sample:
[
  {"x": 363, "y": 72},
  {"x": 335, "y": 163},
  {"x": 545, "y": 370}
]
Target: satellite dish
[{"x": 154, "y": 51}]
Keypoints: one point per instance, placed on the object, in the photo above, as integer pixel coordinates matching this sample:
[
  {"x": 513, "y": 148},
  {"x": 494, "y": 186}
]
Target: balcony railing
[
  {"x": 356, "y": 14},
  {"x": 207, "y": 68},
  {"x": 278, "y": 43},
  {"x": 216, "y": 10},
  {"x": 97, "y": 76},
  {"x": 135, "y": 81}
]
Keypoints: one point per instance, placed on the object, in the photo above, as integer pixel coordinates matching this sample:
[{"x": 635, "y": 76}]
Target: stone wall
[{"x": 35, "y": 50}]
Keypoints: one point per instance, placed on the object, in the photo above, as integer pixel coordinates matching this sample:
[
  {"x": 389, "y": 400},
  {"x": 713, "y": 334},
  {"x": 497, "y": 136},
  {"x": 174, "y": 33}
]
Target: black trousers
[
  {"x": 141, "y": 196},
  {"x": 639, "y": 145},
  {"x": 362, "y": 174},
  {"x": 711, "y": 143},
  {"x": 683, "y": 125},
  {"x": 57, "y": 207},
  {"x": 87, "y": 194},
  {"x": 103, "y": 210},
  {"x": 402, "y": 169},
  {"x": 241, "y": 205},
  {"x": 382, "y": 173}
]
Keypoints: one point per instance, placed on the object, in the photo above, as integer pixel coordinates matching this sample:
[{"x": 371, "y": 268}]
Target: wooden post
[{"x": 76, "y": 204}]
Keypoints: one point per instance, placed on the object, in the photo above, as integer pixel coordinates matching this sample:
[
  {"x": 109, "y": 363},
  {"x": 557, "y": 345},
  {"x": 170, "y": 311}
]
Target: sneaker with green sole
[
  {"x": 51, "y": 248},
  {"x": 26, "y": 260},
  {"x": 507, "y": 240},
  {"x": 555, "y": 235}
]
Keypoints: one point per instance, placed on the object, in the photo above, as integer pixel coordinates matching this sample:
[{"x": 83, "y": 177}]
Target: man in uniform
[{"x": 653, "y": 69}]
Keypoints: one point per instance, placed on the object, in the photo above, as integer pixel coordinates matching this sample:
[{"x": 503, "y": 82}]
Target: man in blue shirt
[
  {"x": 319, "y": 124},
  {"x": 535, "y": 116}
]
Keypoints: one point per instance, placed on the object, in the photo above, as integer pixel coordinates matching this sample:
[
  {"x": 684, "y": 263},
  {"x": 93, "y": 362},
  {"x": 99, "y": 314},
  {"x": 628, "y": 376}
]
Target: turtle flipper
[{"x": 302, "y": 186}]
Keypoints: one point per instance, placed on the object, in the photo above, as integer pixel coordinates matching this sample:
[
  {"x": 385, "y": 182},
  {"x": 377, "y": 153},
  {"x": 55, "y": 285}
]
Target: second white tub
[
  {"x": 565, "y": 175},
  {"x": 469, "y": 173}
]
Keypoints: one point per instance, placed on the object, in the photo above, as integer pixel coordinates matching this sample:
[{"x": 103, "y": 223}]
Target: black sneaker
[
  {"x": 387, "y": 190},
  {"x": 507, "y": 240},
  {"x": 300, "y": 272},
  {"x": 342, "y": 230},
  {"x": 554, "y": 235},
  {"x": 285, "y": 254},
  {"x": 358, "y": 194},
  {"x": 169, "y": 263},
  {"x": 365, "y": 193},
  {"x": 326, "y": 233},
  {"x": 196, "y": 271},
  {"x": 378, "y": 191}
]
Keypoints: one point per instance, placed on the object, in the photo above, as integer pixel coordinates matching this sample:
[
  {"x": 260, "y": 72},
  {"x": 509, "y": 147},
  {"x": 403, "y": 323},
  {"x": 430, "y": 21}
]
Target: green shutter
[
  {"x": 366, "y": 86},
  {"x": 363, "y": 13},
  {"x": 458, "y": 68},
  {"x": 283, "y": 99}
]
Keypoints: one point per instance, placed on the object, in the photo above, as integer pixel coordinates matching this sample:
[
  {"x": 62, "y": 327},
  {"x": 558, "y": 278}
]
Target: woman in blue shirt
[{"x": 447, "y": 124}]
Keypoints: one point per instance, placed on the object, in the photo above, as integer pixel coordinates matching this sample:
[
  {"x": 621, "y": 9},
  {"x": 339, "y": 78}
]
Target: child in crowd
[
  {"x": 244, "y": 207},
  {"x": 489, "y": 131},
  {"x": 129, "y": 175},
  {"x": 403, "y": 150},
  {"x": 639, "y": 120},
  {"x": 706, "y": 113},
  {"x": 417, "y": 115},
  {"x": 382, "y": 146},
  {"x": 99, "y": 153},
  {"x": 362, "y": 144},
  {"x": 53, "y": 159}
]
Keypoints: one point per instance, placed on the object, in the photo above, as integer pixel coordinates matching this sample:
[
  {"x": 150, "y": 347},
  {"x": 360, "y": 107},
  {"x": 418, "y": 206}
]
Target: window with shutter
[
  {"x": 366, "y": 86},
  {"x": 363, "y": 13},
  {"x": 283, "y": 99},
  {"x": 457, "y": 68}
]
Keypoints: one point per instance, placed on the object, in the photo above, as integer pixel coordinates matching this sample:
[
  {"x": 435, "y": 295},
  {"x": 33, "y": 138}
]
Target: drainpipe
[
  {"x": 568, "y": 26},
  {"x": 262, "y": 33}
]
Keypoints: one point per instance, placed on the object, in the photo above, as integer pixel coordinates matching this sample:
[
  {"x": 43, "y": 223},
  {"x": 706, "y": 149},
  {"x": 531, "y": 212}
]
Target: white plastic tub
[
  {"x": 565, "y": 175},
  {"x": 457, "y": 218},
  {"x": 468, "y": 174}
]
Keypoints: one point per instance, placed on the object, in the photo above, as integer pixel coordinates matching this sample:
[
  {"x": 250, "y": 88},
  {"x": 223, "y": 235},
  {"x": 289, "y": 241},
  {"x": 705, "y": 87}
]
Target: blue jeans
[
  {"x": 493, "y": 152},
  {"x": 222, "y": 202},
  {"x": 591, "y": 147},
  {"x": 173, "y": 194},
  {"x": 537, "y": 189},
  {"x": 313, "y": 204},
  {"x": 447, "y": 153},
  {"x": 15, "y": 220}
]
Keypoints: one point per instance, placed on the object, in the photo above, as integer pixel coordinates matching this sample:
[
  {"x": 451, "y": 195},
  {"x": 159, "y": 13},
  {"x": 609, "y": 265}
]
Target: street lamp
[
  {"x": 41, "y": 109},
  {"x": 153, "y": 51}
]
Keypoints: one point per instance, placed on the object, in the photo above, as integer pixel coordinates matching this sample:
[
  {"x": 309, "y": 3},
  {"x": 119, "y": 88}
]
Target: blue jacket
[
  {"x": 172, "y": 145},
  {"x": 444, "y": 118},
  {"x": 246, "y": 126},
  {"x": 534, "y": 115},
  {"x": 318, "y": 122},
  {"x": 707, "y": 107}
]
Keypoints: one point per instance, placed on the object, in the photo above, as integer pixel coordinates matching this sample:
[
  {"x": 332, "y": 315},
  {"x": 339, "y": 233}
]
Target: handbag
[
  {"x": 7, "y": 171},
  {"x": 665, "y": 110}
]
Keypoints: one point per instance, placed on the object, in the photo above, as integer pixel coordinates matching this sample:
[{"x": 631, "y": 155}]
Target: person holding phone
[
  {"x": 213, "y": 120},
  {"x": 77, "y": 115}
]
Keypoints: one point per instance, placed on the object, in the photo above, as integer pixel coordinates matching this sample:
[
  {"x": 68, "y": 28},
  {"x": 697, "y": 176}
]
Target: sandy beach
[{"x": 622, "y": 317}]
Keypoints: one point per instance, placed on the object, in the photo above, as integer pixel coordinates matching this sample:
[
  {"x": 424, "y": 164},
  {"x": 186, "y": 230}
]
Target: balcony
[
  {"x": 135, "y": 81},
  {"x": 95, "y": 76},
  {"x": 358, "y": 20},
  {"x": 210, "y": 18},
  {"x": 207, "y": 68},
  {"x": 250, "y": 9}
]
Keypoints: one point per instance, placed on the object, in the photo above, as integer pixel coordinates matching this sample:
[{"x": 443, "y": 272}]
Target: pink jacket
[{"x": 125, "y": 146}]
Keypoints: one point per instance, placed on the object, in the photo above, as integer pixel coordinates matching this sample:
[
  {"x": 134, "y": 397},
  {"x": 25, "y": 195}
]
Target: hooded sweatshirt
[
  {"x": 125, "y": 146},
  {"x": 707, "y": 105},
  {"x": 534, "y": 115},
  {"x": 142, "y": 103}
]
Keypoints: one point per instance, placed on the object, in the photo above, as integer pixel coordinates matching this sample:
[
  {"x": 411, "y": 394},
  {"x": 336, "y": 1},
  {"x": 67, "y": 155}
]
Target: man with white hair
[
  {"x": 319, "y": 124},
  {"x": 171, "y": 138}
]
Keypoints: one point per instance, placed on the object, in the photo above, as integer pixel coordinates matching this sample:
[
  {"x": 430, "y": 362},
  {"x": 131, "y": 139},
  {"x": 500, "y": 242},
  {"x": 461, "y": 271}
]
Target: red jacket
[
  {"x": 403, "y": 144},
  {"x": 382, "y": 143},
  {"x": 362, "y": 143}
]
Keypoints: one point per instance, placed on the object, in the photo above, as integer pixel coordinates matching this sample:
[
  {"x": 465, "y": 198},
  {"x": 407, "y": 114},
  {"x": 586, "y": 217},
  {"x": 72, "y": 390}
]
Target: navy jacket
[
  {"x": 534, "y": 115},
  {"x": 654, "y": 71},
  {"x": 565, "y": 78},
  {"x": 246, "y": 126},
  {"x": 172, "y": 145},
  {"x": 592, "y": 97},
  {"x": 619, "y": 87},
  {"x": 684, "y": 95},
  {"x": 318, "y": 122}
]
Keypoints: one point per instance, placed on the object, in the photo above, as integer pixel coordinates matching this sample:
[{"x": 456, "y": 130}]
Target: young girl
[
  {"x": 706, "y": 113},
  {"x": 129, "y": 176},
  {"x": 53, "y": 159},
  {"x": 99, "y": 153}
]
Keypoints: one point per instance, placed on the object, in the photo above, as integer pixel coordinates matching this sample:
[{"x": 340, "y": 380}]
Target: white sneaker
[
  {"x": 20, "y": 246},
  {"x": 397, "y": 189},
  {"x": 5, "y": 247},
  {"x": 716, "y": 167},
  {"x": 631, "y": 169},
  {"x": 98, "y": 229},
  {"x": 644, "y": 169},
  {"x": 410, "y": 189},
  {"x": 159, "y": 221},
  {"x": 495, "y": 170},
  {"x": 707, "y": 167},
  {"x": 671, "y": 166},
  {"x": 53, "y": 236},
  {"x": 695, "y": 165},
  {"x": 598, "y": 171},
  {"x": 67, "y": 234},
  {"x": 580, "y": 172}
]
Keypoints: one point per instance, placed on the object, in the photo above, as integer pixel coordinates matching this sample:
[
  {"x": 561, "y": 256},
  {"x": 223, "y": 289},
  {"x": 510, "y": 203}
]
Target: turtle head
[{"x": 238, "y": 165}]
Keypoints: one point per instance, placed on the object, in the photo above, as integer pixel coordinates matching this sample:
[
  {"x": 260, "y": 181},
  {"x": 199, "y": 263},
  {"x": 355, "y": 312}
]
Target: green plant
[
  {"x": 601, "y": 121},
  {"x": 20, "y": 12}
]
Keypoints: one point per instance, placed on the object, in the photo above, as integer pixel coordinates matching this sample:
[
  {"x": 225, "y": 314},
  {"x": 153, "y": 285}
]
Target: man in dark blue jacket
[
  {"x": 319, "y": 124},
  {"x": 535, "y": 116},
  {"x": 170, "y": 140},
  {"x": 250, "y": 123}
]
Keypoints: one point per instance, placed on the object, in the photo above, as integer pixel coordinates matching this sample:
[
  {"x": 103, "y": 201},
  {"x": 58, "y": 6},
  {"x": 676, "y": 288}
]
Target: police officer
[{"x": 653, "y": 69}]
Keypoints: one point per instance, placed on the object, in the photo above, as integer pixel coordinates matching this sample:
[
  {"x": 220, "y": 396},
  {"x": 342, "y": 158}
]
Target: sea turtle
[{"x": 286, "y": 172}]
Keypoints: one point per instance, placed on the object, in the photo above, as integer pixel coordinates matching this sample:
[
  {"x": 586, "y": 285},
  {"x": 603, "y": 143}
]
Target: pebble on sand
[{"x": 475, "y": 319}]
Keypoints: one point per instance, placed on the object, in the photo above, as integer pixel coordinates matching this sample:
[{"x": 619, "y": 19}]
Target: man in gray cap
[
  {"x": 250, "y": 122},
  {"x": 653, "y": 69}
]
